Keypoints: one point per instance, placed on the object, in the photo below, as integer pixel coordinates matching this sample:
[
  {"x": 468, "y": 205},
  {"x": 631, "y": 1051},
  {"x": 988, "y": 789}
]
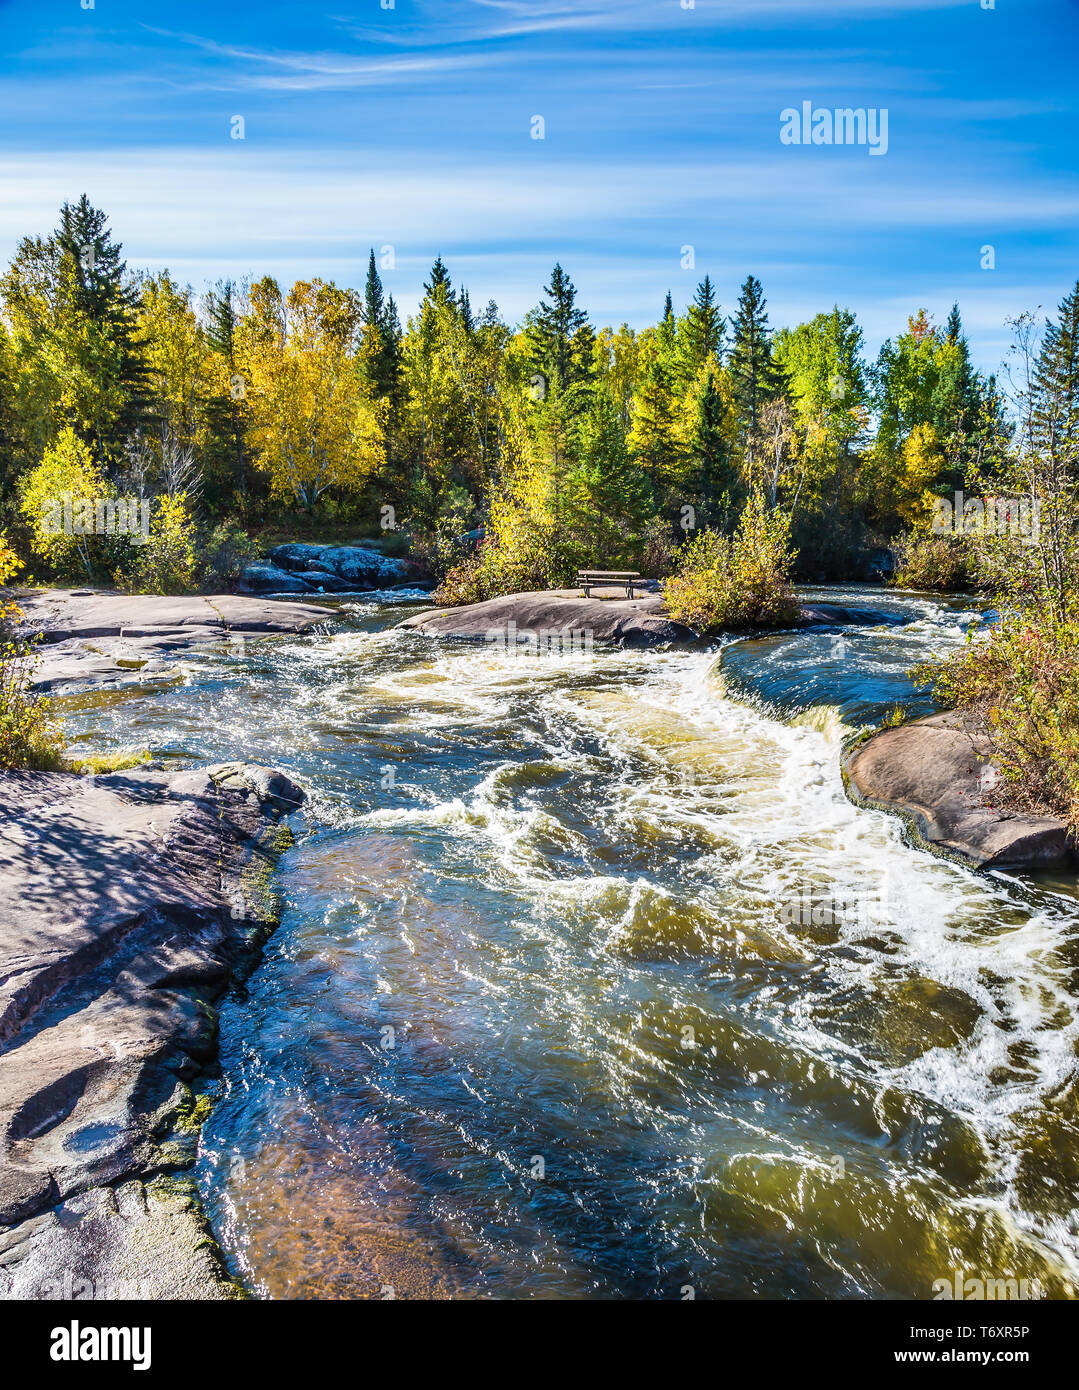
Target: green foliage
[
  {"x": 1018, "y": 683},
  {"x": 659, "y": 549},
  {"x": 168, "y": 562},
  {"x": 99, "y": 763},
  {"x": 257, "y": 401},
  {"x": 66, "y": 473},
  {"x": 523, "y": 549},
  {"x": 227, "y": 552},
  {"x": 29, "y": 735},
  {"x": 734, "y": 582},
  {"x": 756, "y": 375},
  {"x": 925, "y": 561}
]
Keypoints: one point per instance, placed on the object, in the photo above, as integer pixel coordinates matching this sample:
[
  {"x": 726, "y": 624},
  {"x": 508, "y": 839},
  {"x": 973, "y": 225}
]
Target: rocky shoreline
[
  {"x": 938, "y": 777},
  {"x": 130, "y": 903},
  {"x": 88, "y": 638},
  {"x": 638, "y": 622}
]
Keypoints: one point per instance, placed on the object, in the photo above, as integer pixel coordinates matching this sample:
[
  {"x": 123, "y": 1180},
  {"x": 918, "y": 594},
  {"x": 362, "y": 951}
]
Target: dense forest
[
  {"x": 256, "y": 409},
  {"x": 709, "y": 450}
]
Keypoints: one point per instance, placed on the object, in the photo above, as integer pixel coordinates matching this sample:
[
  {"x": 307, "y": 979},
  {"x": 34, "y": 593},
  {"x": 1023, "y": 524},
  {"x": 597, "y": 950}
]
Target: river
[{"x": 590, "y": 982}]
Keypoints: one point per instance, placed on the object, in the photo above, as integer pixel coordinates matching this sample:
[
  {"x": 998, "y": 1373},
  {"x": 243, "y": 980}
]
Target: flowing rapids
[{"x": 591, "y": 983}]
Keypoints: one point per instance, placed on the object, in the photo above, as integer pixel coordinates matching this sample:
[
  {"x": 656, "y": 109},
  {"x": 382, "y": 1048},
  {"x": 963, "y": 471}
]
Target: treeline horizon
[{"x": 260, "y": 405}]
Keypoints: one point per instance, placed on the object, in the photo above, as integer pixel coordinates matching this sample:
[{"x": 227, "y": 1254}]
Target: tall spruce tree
[
  {"x": 372, "y": 295},
  {"x": 1056, "y": 386},
  {"x": 720, "y": 483},
  {"x": 756, "y": 377},
  {"x": 554, "y": 325},
  {"x": 226, "y": 413},
  {"x": 105, "y": 300},
  {"x": 704, "y": 328},
  {"x": 380, "y": 347},
  {"x": 440, "y": 282}
]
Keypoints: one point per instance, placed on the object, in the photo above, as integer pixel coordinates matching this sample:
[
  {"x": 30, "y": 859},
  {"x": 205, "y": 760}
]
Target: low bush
[
  {"x": 29, "y": 736},
  {"x": 168, "y": 561},
  {"x": 734, "y": 582},
  {"x": 227, "y": 553},
  {"x": 925, "y": 561},
  {"x": 1018, "y": 685}
]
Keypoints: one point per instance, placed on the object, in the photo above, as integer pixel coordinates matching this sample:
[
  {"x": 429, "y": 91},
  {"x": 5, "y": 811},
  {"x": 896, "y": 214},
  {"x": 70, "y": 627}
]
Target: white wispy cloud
[
  {"x": 316, "y": 211},
  {"x": 294, "y": 70}
]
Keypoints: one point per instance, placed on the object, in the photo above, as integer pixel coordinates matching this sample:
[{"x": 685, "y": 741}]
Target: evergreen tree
[
  {"x": 606, "y": 499},
  {"x": 720, "y": 483},
  {"x": 655, "y": 439},
  {"x": 372, "y": 295},
  {"x": 1056, "y": 386},
  {"x": 956, "y": 402},
  {"x": 103, "y": 302},
  {"x": 756, "y": 377},
  {"x": 102, "y": 291},
  {"x": 380, "y": 343},
  {"x": 703, "y": 328},
  {"x": 440, "y": 285},
  {"x": 391, "y": 345},
  {"x": 552, "y": 329},
  {"x": 226, "y": 414}
]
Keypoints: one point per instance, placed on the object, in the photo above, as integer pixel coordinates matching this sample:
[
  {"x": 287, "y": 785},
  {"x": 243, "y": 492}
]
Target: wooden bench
[{"x": 596, "y": 579}]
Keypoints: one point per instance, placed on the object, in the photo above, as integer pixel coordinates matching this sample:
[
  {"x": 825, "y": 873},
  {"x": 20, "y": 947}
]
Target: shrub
[
  {"x": 523, "y": 550},
  {"x": 740, "y": 581},
  {"x": 167, "y": 562},
  {"x": 227, "y": 554},
  {"x": 66, "y": 468},
  {"x": 1018, "y": 685},
  {"x": 29, "y": 737},
  {"x": 659, "y": 549},
  {"x": 925, "y": 561}
]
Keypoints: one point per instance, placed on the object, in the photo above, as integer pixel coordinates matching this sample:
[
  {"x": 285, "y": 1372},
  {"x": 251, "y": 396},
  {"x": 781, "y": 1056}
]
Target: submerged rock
[
  {"x": 129, "y": 903},
  {"x": 939, "y": 777}
]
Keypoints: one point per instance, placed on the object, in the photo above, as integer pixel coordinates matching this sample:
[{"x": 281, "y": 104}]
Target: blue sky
[{"x": 411, "y": 127}]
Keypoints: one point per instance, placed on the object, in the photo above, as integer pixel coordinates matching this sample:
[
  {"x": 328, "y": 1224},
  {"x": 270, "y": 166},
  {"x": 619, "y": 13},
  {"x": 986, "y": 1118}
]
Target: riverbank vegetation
[
  {"x": 1017, "y": 678},
  {"x": 29, "y": 737},
  {"x": 709, "y": 449},
  {"x": 729, "y": 583},
  {"x": 255, "y": 408}
]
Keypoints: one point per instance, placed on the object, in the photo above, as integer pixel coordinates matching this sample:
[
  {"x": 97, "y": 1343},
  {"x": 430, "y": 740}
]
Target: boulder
[
  {"x": 128, "y": 903},
  {"x": 330, "y": 583},
  {"x": 631, "y": 623},
  {"x": 640, "y": 622},
  {"x": 362, "y": 566},
  {"x": 270, "y": 579},
  {"x": 296, "y": 556},
  {"x": 939, "y": 778}
]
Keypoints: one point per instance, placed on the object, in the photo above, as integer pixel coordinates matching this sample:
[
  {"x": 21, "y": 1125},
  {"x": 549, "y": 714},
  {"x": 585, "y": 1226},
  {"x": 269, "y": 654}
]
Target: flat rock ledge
[
  {"x": 933, "y": 773},
  {"x": 93, "y": 638},
  {"x": 129, "y": 903},
  {"x": 640, "y": 622}
]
